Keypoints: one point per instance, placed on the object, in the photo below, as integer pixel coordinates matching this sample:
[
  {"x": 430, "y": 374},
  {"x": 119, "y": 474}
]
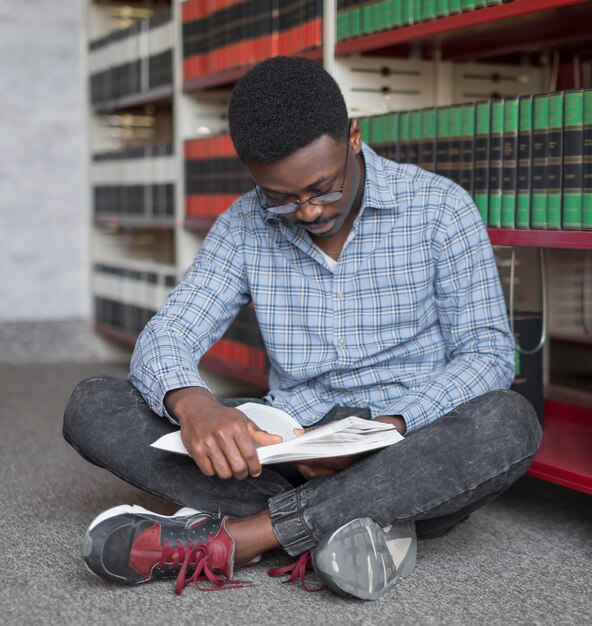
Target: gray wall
[{"x": 44, "y": 232}]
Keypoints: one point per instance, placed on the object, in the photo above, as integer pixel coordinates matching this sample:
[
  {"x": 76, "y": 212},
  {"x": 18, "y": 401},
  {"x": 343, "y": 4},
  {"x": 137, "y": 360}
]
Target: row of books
[
  {"x": 138, "y": 152},
  {"x": 214, "y": 177},
  {"x": 527, "y": 161},
  {"x": 357, "y": 17},
  {"x": 147, "y": 201},
  {"x": 126, "y": 318},
  {"x": 142, "y": 284},
  {"x": 218, "y": 36},
  {"x": 132, "y": 61}
]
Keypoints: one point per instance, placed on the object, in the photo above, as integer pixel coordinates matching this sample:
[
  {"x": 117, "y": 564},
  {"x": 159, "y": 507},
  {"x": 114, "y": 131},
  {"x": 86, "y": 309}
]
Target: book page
[{"x": 270, "y": 419}]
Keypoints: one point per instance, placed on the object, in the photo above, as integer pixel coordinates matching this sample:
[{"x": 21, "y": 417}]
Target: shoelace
[
  {"x": 195, "y": 554},
  {"x": 297, "y": 570}
]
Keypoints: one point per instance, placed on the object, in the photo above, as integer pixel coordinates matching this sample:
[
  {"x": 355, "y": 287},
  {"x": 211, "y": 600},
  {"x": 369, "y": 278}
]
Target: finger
[
  {"x": 235, "y": 457},
  {"x": 262, "y": 437},
  {"x": 217, "y": 459},
  {"x": 247, "y": 440}
]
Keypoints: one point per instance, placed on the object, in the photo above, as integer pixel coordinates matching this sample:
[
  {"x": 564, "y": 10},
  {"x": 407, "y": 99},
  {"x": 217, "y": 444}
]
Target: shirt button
[
  {"x": 340, "y": 295},
  {"x": 341, "y": 341}
]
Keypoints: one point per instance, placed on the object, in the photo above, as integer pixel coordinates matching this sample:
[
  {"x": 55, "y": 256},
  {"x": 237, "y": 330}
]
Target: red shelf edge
[
  {"x": 439, "y": 26},
  {"x": 116, "y": 334},
  {"x": 541, "y": 238}
]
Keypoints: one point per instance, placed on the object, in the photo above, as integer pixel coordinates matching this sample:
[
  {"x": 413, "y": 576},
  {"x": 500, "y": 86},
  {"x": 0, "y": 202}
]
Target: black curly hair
[{"x": 282, "y": 105}]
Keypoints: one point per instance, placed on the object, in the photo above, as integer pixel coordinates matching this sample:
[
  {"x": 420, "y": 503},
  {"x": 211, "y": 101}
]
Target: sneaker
[
  {"x": 131, "y": 545},
  {"x": 363, "y": 560}
]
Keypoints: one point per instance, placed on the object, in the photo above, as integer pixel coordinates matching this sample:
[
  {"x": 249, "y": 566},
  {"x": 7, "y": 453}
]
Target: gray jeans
[{"x": 437, "y": 476}]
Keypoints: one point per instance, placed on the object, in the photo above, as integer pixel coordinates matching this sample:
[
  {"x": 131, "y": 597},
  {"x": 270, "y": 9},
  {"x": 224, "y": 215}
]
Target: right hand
[{"x": 221, "y": 440}]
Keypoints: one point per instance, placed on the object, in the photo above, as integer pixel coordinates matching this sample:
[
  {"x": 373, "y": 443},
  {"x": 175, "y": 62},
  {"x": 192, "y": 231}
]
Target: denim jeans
[{"x": 436, "y": 476}]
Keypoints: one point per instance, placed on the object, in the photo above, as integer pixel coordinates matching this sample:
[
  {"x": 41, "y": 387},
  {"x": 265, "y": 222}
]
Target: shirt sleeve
[
  {"x": 472, "y": 316},
  {"x": 197, "y": 313}
]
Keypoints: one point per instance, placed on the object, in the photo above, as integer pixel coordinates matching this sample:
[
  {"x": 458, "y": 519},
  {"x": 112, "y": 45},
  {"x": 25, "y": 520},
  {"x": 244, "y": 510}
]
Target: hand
[
  {"x": 314, "y": 468},
  {"x": 331, "y": 465},
  {"x": 221, "y": 440}
]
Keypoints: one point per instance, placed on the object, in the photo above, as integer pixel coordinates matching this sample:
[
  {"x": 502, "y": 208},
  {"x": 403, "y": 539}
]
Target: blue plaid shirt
[{"x": 411, "y": 321}]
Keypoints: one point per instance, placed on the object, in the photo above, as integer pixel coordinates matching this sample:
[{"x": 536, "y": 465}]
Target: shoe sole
[
  {"x": 355, "y": 560},
  {"x": 88, "y": 553}
]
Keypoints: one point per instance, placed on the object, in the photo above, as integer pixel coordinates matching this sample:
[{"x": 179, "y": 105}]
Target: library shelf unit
[{"x": 520, "y": 36}]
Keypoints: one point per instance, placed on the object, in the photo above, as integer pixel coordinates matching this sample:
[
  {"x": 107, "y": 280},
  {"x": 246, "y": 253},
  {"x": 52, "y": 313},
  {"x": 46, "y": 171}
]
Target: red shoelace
[
  {"x": 297, "y": 570},
  {"x": 197, "y": 555}
]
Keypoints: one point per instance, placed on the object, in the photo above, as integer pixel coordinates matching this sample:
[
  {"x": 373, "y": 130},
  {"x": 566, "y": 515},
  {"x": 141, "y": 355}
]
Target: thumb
[{"x": 262, "y": 437}]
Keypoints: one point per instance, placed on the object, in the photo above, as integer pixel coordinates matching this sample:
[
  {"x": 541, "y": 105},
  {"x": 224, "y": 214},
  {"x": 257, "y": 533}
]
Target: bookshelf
[{"x": 497, "y": 51}]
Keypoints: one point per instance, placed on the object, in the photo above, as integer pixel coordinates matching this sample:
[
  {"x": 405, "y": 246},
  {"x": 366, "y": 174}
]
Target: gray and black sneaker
[
  {"x": 363, "y": 560},
  {"x": 131, "y": 545}
]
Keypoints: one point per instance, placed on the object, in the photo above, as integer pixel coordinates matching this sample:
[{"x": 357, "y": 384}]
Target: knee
[
  {"x": 88, "y": 404},
  {"x": 514, "y": 416}
]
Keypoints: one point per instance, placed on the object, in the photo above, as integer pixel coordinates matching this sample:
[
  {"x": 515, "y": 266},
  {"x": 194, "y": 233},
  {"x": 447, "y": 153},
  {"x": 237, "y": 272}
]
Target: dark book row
[
  {"x": 527, "y": 161},
  {"x": 153, "y": 150},
  {"x": 214, "y": 176},
  {"x": 226, "y": 35},
  {"x": 127, "y": 318},
  {"x": 360, "y": 17},
  {"x": 133, "y": 78},
  {"x": 144, "y": 201},
  {"x": 143, "y": 276}
]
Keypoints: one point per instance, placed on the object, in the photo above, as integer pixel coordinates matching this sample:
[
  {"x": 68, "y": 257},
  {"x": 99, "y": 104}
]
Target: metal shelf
[{"x": 515, "y": 26}]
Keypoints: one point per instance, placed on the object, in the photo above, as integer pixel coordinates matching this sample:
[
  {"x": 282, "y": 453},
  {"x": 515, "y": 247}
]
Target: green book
[
  {"x": 469, "y": 5},
  {"x": 442, "y": 140},
  {"x": 427, "y": 155},
  {"x": 391, "y": 132},
  {"x": 428, "y": 10},
  {"x": 467, "y": 148},
  {"x": 404, "y": 136},
  {"x": 509, "y": 163},
  {"x": 442, "y": 8},
  {"x": 554, "y": 158},
  {"x": 482, "y": 140},
  {"x": 587, "y": 162},
  {"x": 454, "y": 142},
  {"x": 540, "y": 133},
  {"x": 355, "y": 20},
  {"x": 368, "y": 17},
  {"x": 408, "y": 12},
  {"x": 415, "y": 138},
  {"x": 417, "y": 11},
  {"x": 396, "y": 9},
  {"x": 454, "y": 6},
  {"x": 365, "y": 128},
  {"x": 375, "y": 138},
  {"x": 573, "y": 151},
  {"x": 524, "y": 170},
  {"x": 494, "y": 219}
]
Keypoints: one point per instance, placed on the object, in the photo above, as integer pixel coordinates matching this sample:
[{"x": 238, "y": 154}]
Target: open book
[{"x": 351, "y": 435}]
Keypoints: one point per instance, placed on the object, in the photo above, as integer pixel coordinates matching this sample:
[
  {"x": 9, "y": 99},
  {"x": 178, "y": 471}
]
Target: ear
[{"x": 355, "y": 136}]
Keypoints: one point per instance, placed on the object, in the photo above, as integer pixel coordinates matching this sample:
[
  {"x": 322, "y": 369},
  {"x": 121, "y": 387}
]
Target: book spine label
[
  {"x": 495, "y": 164},
  {"x": 523, "y": 174},
  {"x": 482, "y": 140},
  {"x": 573, "y": 144},
  {"x": 554, "y": 158},
  {"x": 587, "y": 162},
  {"x": 509, "y": 163},
  {"x": 539, "y": 162}
]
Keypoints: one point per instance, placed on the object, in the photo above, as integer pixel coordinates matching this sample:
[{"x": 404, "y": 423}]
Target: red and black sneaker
[{"x": 131, "y": 545}]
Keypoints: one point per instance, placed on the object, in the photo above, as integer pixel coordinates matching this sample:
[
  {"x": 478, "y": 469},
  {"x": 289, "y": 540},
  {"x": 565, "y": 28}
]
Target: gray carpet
[{"x": 524, "y": 559}]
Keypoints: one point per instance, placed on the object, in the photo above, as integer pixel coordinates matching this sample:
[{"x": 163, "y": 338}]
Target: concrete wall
[{"x": 44, "y": 212}]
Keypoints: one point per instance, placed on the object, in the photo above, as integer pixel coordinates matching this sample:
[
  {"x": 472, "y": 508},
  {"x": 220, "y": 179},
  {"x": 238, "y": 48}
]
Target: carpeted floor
[{"x": 525, "y": 559}]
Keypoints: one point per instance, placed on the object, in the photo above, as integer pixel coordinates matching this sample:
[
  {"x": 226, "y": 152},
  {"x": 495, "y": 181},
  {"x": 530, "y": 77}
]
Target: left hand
[{"x": 314, "y": 468}]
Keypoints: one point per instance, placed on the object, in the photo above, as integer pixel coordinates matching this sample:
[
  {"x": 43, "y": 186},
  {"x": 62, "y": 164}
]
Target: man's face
[{"x": 321, "y": 167}]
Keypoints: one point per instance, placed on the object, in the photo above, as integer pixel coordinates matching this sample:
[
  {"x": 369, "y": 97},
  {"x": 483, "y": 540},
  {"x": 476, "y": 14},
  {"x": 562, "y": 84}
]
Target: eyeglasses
[{"x": 327, "y": 197}]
